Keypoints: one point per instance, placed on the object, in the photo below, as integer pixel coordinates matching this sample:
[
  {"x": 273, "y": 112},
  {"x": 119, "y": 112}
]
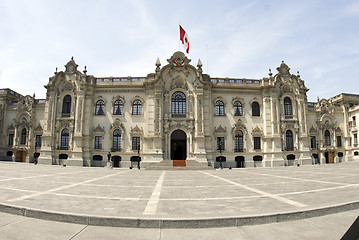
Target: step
[{"x": 168, "y": 165}]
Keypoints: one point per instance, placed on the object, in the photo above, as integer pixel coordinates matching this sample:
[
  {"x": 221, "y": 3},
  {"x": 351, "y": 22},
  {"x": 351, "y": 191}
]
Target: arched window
[
  {"x": 23, "y": 136},
  {"x": 116, "y": 146},
  {"x": 65, "y": 139},
  {"x": 288, "y": 110},
  {"x": 179, "y": 103},
  {"x": 289, "y": 140},
  {"x": 327, "y": 138},
  {"x": 117, "y": 107},
  {"x": 238, "y": 111},
  {"x": 66, "y": 105},
  {"x": 100, "y": 106},
  {"x": 255, "y": 109},
  {"x": 238, "y": 144},
  {"x": 219, "y": 108},
  {"x": 137, "y": 107}
]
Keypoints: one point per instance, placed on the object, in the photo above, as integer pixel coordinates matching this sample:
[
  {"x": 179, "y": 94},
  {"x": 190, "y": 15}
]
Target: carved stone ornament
[
  {"x": 38, "y": 129},
  {"x": 136, "y": 131},
  {"x": 117, "y": 124},
  {"x": 283, "y": 69},
  {"x": 71, "y": 66},
  {"x": 313, "y": 130},
  {"x": 219, "y": 131},
  {"x": 239, "y": 126},
  {"x": 99, "y": 129},
  {"x": 11, "y": 128},
  {"x": 178, "y": 60},
  {"x": 26, "y": 103},
  {"x": 257, "y": 131},
  {"x": 179, "y": 82}
]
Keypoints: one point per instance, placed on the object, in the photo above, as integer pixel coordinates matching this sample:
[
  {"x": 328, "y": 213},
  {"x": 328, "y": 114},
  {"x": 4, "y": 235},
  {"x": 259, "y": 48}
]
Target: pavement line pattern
[
  {"x": 264, "y": 194},
  {"x": 298, "y": 179},
  {"x": 60, "y": 188},
  {"x": 36, "y": 176},
  {"x": 151, "y": 207}
]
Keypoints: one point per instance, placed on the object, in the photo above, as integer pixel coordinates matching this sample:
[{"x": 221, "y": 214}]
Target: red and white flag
[{"x": 184, "y": 39}]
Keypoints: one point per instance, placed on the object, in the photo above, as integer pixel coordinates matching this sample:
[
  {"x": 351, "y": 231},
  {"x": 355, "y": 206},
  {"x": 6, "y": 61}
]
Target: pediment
[
  {"x": 11, "y": 128},
  {"x": 257, "y": 130},
  {"x": 220, "y": 129},
  {"x": 98, "y": 129},
  {"x": 136, "y": 130},
  {"x": 313, "y": 130},
  {"x": 38, "y": 128}
]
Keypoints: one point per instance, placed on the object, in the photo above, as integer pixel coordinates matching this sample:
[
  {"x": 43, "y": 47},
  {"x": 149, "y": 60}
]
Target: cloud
[{"x": 353, "y": 8}]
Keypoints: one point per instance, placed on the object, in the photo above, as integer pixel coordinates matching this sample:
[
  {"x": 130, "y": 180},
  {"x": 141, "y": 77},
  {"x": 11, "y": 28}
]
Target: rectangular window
[
  {"x": 354, "y": 121},
  {"x": 38, "y": 141},
  {"x": 257, "y": 142},
  {"x": 11, "y": 139},
  {"x": 355, "y": 139},
  {"x": 135, "y": 143},
  {"x": 137, "y": 107},
  {"x": 220, "y": 143},
  {"x": 98, "y": 142},
  {"x": 339, "y": 141},
  {"x": 313, "y": 142},
  {"x": 238, "y": 145}
]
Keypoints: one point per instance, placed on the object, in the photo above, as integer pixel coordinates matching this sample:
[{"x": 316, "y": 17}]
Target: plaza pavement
[{"x": 256, "y": 198}]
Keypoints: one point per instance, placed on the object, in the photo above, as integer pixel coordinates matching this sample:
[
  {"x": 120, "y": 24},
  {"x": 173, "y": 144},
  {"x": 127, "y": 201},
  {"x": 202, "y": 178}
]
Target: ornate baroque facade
[{"x": 177, "y": 113}]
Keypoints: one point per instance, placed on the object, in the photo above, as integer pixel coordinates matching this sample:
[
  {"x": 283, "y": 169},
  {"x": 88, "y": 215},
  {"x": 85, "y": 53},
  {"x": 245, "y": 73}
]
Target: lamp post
[
  {"x": 139, "y": 158},
  {"x": 36, "y": 156},
  {"x": 109, "y": 159},
  {"x": 317, "y": 161},
  {"x": 220, "y": 159}
]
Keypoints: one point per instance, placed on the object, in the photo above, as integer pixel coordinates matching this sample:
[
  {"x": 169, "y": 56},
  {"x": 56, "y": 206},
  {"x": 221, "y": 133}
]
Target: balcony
[
  {"x": 239, "y": 150},
  {"x": 116, "y": 149},
  {"x": 63, "y": 148},
  {"x": 178, "y": 115},
  {"x": 65, "y": 115}
]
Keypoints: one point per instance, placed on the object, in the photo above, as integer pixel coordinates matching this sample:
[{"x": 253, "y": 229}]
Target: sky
[{"x": 233, "y": 38}]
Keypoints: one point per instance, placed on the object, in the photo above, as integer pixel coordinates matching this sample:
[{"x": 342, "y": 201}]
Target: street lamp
[
  {"x": 220, "y": 159},
  {"x": 139, "y": 158}
]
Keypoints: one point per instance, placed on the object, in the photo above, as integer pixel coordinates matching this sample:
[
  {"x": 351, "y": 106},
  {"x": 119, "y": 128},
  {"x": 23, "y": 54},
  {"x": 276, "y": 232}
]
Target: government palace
[{"x": 177, "y": 113}]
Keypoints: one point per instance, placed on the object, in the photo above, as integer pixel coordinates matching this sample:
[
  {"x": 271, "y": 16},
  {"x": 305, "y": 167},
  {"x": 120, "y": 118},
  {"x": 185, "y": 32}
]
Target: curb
[{"x": 173, "y": 222}]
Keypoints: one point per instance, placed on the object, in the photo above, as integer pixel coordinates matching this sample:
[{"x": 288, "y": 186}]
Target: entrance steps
[{"x": 168, "y": 165}]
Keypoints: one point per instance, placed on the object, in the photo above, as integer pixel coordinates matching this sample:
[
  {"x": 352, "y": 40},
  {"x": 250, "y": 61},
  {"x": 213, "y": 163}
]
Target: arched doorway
[
  {"x": 240, "y": 161},
  {"x": 62, "y": 159},
  {"x": 116, "y": 161},
  {"x": 178, "y": 145}
]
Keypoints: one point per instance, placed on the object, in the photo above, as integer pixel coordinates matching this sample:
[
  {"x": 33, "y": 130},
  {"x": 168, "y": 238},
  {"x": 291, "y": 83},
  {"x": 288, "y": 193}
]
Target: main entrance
[
  {"x": 21, "y": 156},
  {"x": 178, "y": 145},
  {"x": 329, "y": 157}
]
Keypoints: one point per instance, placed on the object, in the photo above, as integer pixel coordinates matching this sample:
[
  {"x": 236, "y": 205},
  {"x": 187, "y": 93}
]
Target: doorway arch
[
  {"x": 240, "y": 161},
  {"x": 178, "y": 145}
]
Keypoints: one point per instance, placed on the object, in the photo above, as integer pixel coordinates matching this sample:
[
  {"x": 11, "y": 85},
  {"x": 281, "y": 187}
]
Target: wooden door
[
  {"x": 21, "y": 156},
  {"x": 331, "y": 157},
  {"x": 18, "y": 156}
]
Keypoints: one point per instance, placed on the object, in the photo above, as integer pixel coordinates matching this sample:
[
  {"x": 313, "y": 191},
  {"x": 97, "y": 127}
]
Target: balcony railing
[
  {"x": 116, "y": 149},
  {"x": 63, "y": 148},
  {"x": 65, "y": 115},
  {"x": 238, "y": 150},
  {"x": 178, "y": 115}
]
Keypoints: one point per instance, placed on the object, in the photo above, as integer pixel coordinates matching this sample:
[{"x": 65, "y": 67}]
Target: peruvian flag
[{"x": 184, "y": 39}]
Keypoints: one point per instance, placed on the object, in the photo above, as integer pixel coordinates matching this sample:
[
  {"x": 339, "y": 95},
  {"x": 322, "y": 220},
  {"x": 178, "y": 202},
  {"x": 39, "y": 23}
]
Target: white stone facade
[{"x": 178, "y": 113}]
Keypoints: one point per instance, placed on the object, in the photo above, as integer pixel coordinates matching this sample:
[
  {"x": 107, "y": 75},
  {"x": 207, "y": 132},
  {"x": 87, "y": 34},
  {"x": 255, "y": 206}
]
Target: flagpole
[
  {"x": 179, "y": 33},
  {"x": 207, "y": 56}
]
